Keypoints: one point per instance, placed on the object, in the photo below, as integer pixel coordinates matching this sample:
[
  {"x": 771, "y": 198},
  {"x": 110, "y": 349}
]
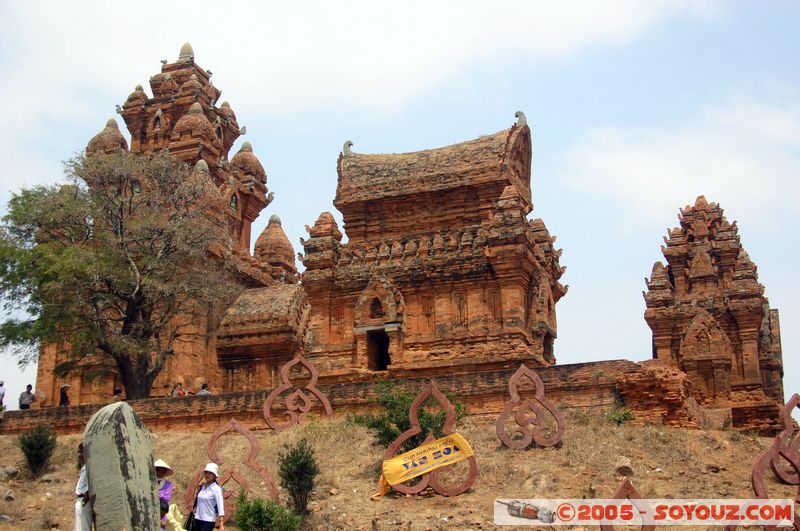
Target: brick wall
[{"x": 580, "y": 385}]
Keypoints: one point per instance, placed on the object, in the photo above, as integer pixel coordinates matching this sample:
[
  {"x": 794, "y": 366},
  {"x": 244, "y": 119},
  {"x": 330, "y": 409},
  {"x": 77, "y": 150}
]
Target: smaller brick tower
[{"x": 710, "y": 318}]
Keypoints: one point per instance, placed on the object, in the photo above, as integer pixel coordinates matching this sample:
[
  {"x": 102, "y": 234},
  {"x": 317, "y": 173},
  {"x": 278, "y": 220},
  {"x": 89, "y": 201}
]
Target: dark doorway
[
  {"x": 548, "y": 348},
  {"x": 378, "y": 350}
]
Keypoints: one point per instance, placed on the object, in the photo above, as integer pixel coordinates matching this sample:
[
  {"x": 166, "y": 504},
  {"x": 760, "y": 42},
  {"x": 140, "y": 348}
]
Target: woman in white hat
[
  {"x": 209, "y": 505},
  {"x": 164, "y": 485}
]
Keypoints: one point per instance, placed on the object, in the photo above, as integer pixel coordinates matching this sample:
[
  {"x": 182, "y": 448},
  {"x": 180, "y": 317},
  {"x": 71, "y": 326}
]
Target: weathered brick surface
[
  {"x": 659, "y": 394},
  {"x": 710, "y": 318}
]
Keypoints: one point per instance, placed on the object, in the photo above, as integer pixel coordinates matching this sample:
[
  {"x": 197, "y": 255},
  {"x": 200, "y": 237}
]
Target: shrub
[
  {"x": 620, "y": 415},
  {"x": 393, "y": 420},
  {"x": 298, "y": 472},
  {"x": 38, "y": 444},
  {"x": 260, "y": 515}
]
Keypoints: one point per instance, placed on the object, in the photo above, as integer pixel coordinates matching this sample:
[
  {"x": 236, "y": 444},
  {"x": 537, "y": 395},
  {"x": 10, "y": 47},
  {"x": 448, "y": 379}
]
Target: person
[
  {"x": 83, "y": 503},
  {"x": 172, "y": 520},
  {"x": 178, "y": 390},
  {"x": 26, "y": 398},
  {"x": 209, "y": 509},
  {"x": 2, "y": 392},
  {"x": 203, "y": 390},
  {"x": 64, "y": 399},
  {"x": 164, "y": 485},
  {"x": 117, "y": 396}
]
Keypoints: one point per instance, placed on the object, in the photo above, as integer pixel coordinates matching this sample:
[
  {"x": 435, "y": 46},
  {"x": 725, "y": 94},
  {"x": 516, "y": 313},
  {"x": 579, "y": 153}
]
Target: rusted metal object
[
  {"x": 528, "y": 415},
  {"x": 298, "y": 402},
  {"x": 626, "y": 491},
  {"x": 431, "y": 479},
  {"x": 783, "y": 448},
  {"x": 231, "y": 472},
  {"x": 790, "y": 436}
]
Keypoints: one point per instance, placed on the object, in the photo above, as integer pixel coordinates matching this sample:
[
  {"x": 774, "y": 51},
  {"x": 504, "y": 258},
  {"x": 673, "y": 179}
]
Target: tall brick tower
[{"x": 182, "y": 117}]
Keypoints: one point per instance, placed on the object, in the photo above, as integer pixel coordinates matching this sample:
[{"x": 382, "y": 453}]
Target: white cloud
[
  {"x": 743, "y": 154},
  {"x": 61, "y": 59}
]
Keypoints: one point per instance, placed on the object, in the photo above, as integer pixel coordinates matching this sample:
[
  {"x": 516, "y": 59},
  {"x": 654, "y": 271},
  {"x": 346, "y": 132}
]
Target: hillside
[{"x": 667, "y": 463}]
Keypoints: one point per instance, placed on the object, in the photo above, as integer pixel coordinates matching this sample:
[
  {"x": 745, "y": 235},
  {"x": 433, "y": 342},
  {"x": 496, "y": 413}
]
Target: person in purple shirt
[{"x": 164, "y": 485}]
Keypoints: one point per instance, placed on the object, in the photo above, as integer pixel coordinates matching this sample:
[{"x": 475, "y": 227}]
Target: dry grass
[{"x": 667, "y": 463}]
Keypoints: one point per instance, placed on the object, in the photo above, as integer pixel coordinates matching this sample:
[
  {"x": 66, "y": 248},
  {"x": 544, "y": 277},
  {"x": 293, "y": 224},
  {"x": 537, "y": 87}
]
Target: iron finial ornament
[
  {"x": 431, "y": 479},
  {"x": 298, "y": 403},
  {"x": 528, "y": 415}
]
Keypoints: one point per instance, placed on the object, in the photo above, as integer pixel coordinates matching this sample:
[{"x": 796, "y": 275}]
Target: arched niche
[{"x": 379, "y": 325}]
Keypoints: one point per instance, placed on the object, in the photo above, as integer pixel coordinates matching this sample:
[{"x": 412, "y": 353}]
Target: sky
[{"x": 636, "y": 108}]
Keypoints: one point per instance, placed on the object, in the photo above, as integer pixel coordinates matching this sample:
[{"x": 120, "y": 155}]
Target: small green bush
[
  {"x": 298, "y": 471},
  {"x": 38, "y": 444},
  {"x": 260, "y": 515},
  {"x": 393, "y": 420},
  {"x": 620, "y": 415}
]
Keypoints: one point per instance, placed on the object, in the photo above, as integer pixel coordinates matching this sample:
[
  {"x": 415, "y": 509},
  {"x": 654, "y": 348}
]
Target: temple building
[
  {"x": 436, "y": 272},
  {"x": 441, "y": 271},
  {"x": 710, "y": 318}
]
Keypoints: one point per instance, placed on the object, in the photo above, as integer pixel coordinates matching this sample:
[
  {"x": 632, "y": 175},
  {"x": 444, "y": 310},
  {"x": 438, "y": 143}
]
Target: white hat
[
  {"x": 160, "y": 463},
  {"x": 66, "y": 386},
  {"x": 213, "y": 468}
]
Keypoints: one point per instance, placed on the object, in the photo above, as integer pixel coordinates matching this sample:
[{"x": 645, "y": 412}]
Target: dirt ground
[{"x": 666, "y": 463}]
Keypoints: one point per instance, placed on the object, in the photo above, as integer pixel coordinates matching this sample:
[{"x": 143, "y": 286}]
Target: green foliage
[
  {"x": 38, "y": 444},
  {"x": 260, "y": 515},
  {"x": 298, "y": 471},
  {"x": 620, "y": 415},
  {"x": 106, "y": 263},
  {"x": 393, "y": 420}
]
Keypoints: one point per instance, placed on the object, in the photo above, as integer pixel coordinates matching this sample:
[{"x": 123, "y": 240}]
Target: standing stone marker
[{"x": 119, "y": 463}]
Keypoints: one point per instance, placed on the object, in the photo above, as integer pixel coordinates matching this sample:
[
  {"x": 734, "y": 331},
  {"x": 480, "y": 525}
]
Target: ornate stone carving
[
  {"x": 432, "y": 479},
  {"x": 528, "y": 415},
  {"x": 379, "y": 303},
  {"x": 230, "y": 472},
  {"x": 298, "y": 403}
]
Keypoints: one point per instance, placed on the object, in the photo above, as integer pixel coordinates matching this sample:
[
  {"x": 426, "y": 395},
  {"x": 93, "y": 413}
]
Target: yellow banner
[{"x": 423, "y": 459}]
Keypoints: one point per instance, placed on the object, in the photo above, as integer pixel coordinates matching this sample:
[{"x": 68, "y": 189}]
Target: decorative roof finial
[
  {"x": 247, "y": 146},
  {"x": 112, "y": 123},
  {"x": 274, "y": 218},
  {"x": 195, "y": 108},
  {"x": 521, "y": 120},
  {"x": 346, "y": 148},
  {"x": 186, "y": 52},
  {"x": 201, "y": 166}
]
